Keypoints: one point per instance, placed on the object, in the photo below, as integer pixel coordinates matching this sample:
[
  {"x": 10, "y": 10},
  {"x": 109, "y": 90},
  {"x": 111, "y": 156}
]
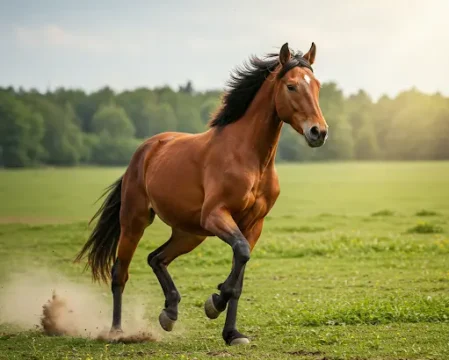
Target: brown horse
[{"x": 221, "y": 182}]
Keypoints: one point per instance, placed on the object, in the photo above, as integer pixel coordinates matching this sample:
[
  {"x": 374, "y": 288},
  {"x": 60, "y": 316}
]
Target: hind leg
[
  {"x": 133, "y": 226},
  {"x": 119, "y": 274},
  {"x": 179, "y": 243}
]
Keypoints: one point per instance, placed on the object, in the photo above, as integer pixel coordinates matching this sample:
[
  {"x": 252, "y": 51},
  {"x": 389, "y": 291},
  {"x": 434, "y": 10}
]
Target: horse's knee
[
  {"x": 242, "y": 251},
  {"x": 229, "y": 292}
]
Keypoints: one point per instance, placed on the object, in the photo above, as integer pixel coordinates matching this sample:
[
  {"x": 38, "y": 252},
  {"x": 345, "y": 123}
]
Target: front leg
[
  {"x": 221, "y": 223},
  {"x": 217, "y": 303},
  {"x": 230, "y": 333}
]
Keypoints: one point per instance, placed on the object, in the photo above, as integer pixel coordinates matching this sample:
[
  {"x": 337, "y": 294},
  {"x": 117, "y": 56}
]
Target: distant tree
[
  {"x": 187, "y": 88},
  {"x": 89, "y": 105},
  {"x": 70, "y": 126},
  {"x": 340, "y": 144},
  {"x": 63, "y": 140},
  {"x": 208, "y": 108},
  {"x": 90, "y": 142},
  {"x": 161, "y": 118},
  {"x": 112, "y": 120},
  {"x": 332, "y": 100},
  {"x": 21, "y": 132},
  {"x": 165, "y": 95},
  {"x": 113, "y": 151},
  {"x": 189, "y": 120},
  {"x": 411, "y": 130},
  {"x": 381, "y": 116},
  {"x": 76, "y": 99},
  {"x": 292, "y": 146},
  {"x": 137, "y": 104},
  {"x": 365, "y": 146},
  {"x": 359, "y": 109},
  {"x": 440, "y": 144}
]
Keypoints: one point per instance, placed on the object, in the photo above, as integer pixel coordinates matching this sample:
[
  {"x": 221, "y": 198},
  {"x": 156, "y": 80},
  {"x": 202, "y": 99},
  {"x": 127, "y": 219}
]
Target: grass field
[{"x": 353, "y": 263}]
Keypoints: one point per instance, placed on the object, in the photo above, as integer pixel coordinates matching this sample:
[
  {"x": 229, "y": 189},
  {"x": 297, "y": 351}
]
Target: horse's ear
[
  {"x": 284, "y": 54},
  {"x": 310, "y": 56}
]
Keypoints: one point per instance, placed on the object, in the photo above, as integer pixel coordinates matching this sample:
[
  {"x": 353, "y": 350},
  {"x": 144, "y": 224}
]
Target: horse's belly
[
  {"x": 182, "y": 211},
  {"x": 178, "y": 203}
]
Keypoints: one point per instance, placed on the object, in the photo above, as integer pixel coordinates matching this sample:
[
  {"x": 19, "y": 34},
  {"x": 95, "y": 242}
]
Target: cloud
[{"x": 54, "y": 36}]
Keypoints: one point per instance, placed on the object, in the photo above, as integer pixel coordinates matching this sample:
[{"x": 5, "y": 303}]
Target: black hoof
[
  {"x": 166, "y": 322},
  {"x": 209, "y": 308},
  {"x": 233, "y": 337}
]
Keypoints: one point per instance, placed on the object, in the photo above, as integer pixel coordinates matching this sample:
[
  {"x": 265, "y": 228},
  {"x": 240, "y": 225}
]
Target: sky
[{"x": 381, "y": 46}]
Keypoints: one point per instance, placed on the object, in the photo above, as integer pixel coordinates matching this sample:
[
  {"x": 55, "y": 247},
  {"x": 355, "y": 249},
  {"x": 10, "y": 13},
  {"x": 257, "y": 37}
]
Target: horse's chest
[
  {"x": 257, "y": 204},
  {"x": 256, "y": 208}
]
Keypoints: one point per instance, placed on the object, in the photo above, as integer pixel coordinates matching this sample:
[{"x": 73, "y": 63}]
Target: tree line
[{"x": 67, "y": 127}]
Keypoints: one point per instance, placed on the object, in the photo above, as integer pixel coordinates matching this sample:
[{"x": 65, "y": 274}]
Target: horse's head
[{"x": 297, "y": 94}]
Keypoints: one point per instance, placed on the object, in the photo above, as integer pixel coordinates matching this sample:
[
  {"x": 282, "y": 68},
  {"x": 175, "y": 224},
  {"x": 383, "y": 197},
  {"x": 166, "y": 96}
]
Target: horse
[{"x": 221, "y": 182}]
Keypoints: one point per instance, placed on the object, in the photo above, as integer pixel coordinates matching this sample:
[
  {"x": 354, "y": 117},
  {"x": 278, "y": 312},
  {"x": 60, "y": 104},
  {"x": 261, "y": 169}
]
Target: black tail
[{"x": 102, "y": 243}]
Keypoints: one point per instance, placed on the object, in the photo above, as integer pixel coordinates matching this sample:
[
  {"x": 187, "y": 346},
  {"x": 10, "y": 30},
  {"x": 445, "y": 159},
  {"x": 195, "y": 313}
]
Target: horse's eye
[{"x": 291, "y": 87}]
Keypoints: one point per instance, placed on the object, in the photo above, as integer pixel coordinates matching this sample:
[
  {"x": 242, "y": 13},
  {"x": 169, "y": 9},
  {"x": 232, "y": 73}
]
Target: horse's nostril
[
  {"x": 314, "y": 132},
  {"x": 323, "y": 134}
]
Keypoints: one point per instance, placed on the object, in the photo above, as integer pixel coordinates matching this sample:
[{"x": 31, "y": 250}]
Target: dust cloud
[{"x": 48, "y": 302}]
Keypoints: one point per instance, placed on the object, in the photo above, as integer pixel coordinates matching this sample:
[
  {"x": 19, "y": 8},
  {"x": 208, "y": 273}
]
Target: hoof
[
  {"x": 166, "y": 323},
  {"x": 240, "y": 341},
  {"x": 115, "y": 332},
  {"x": 210, "y": 309}
]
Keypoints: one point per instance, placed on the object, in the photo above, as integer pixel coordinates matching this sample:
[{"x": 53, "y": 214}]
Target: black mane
[{"x": 246, "y": 81}]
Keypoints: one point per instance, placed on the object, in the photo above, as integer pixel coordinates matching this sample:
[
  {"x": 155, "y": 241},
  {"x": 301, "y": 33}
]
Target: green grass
[
  {"x": 345, "y": 267},
  {"x": 426, "y": 213},
  {"x": 426, "y": 228},
  {"x": 383, "y": 213}
]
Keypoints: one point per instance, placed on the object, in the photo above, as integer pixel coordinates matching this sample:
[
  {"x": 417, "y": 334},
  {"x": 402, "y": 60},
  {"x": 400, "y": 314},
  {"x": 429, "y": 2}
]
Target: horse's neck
[{"x": 260, "y": 128}]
